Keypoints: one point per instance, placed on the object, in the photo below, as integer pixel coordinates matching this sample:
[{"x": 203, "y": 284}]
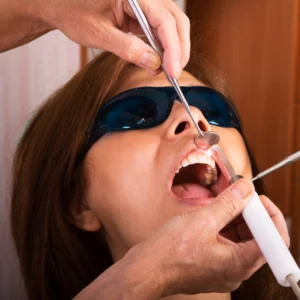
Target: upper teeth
[{"x": 197, "y": 158}]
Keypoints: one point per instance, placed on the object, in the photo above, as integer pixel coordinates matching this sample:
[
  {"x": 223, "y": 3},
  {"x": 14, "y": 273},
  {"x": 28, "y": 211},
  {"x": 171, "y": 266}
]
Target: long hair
[{"x": 57, "y": 259}]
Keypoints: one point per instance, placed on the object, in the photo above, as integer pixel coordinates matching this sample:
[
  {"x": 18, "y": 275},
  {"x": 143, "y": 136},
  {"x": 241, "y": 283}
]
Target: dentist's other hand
[
  {"x": 197, "y": 257},
  {"x": 206, "y": 250},
  {"x": 102, "y": 24}
]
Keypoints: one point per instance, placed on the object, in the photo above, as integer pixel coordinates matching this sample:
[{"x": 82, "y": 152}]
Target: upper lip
[{"x": 190, "y": 148}]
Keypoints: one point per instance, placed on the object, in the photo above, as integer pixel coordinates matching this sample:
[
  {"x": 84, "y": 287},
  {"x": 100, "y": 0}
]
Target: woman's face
[{"x": 132, "y": 190}]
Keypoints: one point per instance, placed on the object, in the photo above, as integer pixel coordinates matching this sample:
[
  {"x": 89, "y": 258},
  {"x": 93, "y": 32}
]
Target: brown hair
[{"x": 57, "y": 259}]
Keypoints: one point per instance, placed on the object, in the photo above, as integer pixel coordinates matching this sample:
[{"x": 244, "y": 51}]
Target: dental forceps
[{"x": 204, "y": 139}]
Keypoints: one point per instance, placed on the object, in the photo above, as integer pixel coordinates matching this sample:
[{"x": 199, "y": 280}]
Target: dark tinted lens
[
  {"x": 214, "y": 106},
  {"x": 140, "y": 110}
]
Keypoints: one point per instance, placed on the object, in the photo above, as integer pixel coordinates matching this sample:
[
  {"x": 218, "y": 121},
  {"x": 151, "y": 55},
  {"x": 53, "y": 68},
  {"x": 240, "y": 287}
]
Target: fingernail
[
  {"x": 153, "y": 73},
  {"x": 242, "y": 189},
  {"x": 177, "y": 73},
  {"x": 150, "y": 61}
]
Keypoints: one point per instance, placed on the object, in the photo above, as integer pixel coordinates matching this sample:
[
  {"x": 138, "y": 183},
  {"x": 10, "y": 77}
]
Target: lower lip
[{"x": 196, "y": 201}]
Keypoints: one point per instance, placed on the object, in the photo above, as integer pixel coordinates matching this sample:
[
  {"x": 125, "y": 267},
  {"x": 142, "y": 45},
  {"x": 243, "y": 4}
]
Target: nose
[{"x": 180, "y": 123}]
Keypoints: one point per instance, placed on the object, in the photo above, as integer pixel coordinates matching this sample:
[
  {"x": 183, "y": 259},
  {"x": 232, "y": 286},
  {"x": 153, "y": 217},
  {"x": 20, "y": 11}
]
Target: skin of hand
[
  {"x": 196, "y": 252},
  {"x": 103, "y": 25}
]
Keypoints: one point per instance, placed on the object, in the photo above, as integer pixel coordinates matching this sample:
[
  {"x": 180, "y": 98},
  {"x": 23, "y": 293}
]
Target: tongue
[{"x": 191, "y": 190}]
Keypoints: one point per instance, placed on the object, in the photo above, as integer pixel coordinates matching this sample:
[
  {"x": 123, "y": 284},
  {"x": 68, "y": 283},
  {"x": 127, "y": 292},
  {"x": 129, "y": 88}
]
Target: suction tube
[
  {"x": 270, "y": 242},
  {"x": 264, "y": 232}
]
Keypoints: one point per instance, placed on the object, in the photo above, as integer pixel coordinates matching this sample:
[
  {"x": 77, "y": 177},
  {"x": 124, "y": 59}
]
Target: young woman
[{"x": 107, "y": 161}]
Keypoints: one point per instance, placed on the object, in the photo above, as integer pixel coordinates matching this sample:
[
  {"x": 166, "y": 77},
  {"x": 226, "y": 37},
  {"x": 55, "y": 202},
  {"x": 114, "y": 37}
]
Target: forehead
[{"x": 139, "y": 77}]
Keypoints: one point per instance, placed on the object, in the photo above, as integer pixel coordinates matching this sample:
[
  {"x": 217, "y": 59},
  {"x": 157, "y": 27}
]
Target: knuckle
[
  {"x": 127, "y": 52},
  {"x": 171, "y": 19},
  {"x": 130, "y": 51},
  {"x": 184, "y": 59},
  {"x": 229, "y": 206},
  {"x": 186, "y": 21},
  {"x": 96, "y": 30},
  {"x": 168, "y": 17},
  {"x": 95, "y": 26}
]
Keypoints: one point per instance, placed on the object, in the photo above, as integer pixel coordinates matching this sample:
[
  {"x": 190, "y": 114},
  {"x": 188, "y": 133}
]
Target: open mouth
[{"x": 198, "y": 179}]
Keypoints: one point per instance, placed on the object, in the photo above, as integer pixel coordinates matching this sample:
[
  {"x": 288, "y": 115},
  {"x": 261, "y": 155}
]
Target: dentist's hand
[
  {"x": 105, "y": 25},
  {"x": 211, "y": 249},
  {"x": 102, "y": 24},
  {"x": 189, "y": 255}
]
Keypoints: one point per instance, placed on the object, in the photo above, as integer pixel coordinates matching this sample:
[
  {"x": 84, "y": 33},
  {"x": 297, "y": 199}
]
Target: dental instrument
[
  {"x": 208, "y": 138},
  {"x": 288, "y": 160},
  {"x": 277, "y": 254}
]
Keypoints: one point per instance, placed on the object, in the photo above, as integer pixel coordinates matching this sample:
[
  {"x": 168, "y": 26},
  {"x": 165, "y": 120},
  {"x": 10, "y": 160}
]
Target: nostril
[
  {"x": 202, "y": 126},
  {"x": 181, "y": 127}
]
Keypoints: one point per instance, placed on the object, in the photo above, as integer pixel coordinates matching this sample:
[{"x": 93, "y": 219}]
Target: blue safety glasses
[{"x": 147, "y": 107}]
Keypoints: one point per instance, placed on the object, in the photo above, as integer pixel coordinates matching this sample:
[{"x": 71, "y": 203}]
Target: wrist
[
  {"x": 135, "y": 276},
  {"x": 35, "y": 12},
  {"x": 144, "y": 276}
]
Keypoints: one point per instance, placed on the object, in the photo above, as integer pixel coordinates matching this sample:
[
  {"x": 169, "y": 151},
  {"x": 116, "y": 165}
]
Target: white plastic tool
[
  {"x": 270, "y": 242},
  {"x": 278, "y": 256}
]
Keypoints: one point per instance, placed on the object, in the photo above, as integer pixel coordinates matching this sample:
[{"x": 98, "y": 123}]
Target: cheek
[
  {"x": 119, "y": 169},
  {"x": 233, "y": 144}
]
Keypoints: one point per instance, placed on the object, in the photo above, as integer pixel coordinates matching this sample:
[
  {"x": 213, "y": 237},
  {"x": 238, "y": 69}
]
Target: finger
[
  {"x": 271, "y": 208},
  {"x": 134, "y": 27},
  {"x": 164, "y": 24},
  {"x": 156, "y": 72},
  {"x": 244, "y": 258},
  {"x": 132, "y": 49},
  {"x": 250, "y": 254},
  {"x": 277, "y": 217},
  {"x": 231, "y": 202},
  {"x": 183, "y": 29}
]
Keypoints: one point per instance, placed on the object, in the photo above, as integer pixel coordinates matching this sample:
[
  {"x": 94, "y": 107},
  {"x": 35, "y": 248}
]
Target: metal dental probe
[
  {"x": 265, "y": 233},
  {"x": 288, "y": 160},
  {"x": 207, "y": 138}
]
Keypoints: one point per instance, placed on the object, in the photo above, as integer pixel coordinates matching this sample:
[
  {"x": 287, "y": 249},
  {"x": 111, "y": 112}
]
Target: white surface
[
  {"x": 270, "y": 242},
  {"x": 27, "y": 76}
]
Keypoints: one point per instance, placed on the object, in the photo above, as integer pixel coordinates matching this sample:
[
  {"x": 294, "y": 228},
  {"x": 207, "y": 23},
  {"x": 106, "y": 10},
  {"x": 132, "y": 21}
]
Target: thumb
[
  {"x": 231, "y": 202},
  {"x": 132, "y": 49}
]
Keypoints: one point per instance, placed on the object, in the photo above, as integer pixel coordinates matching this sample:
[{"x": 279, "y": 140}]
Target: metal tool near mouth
[
  {"x": 288, "y": 160},
  {"x": 204, "y": 139}
]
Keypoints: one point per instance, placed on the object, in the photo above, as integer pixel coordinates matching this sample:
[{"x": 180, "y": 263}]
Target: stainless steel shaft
[{"x": 290, "y": 159}]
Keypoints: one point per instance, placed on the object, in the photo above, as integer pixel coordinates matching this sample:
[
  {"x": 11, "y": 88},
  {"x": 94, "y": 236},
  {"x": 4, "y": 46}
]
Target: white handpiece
[{"x": 270, "y": 242}]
